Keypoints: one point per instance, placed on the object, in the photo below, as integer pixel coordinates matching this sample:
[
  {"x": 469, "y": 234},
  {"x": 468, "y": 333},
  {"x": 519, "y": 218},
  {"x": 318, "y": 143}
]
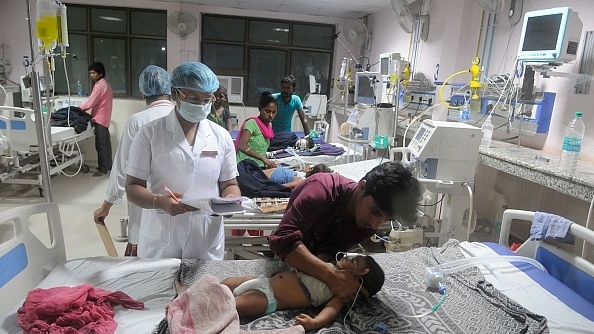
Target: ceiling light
[{"x": 110, "y": 18}]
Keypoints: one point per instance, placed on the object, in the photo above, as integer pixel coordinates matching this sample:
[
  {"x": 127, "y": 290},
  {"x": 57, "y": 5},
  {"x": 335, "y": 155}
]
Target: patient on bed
[{"x": 258, "y": 296}]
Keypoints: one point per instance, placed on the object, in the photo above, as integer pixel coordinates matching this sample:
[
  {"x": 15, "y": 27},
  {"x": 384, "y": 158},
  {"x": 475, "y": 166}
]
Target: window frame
[
  {"x": 127, "y": 37},
  {"x": 248, "y": 46}
]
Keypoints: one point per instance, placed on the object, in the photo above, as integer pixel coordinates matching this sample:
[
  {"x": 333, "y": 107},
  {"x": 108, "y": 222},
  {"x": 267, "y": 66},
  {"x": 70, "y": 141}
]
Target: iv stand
[{"x": 41, "y": 139}]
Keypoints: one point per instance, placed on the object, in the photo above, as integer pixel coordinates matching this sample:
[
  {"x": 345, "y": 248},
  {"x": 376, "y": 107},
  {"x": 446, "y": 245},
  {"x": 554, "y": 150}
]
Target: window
[
  {"x": 125, "y": 40},
  {"x": 263, "y": 51}
]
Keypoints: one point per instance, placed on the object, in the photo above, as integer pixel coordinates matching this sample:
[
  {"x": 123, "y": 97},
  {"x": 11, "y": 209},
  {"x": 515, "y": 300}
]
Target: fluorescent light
[
  {"x": 110, "y": 18},
  {"x": 163, "y": 49},
  {"x": 273, "y": 40},
  {"x": 280, "y": 29}
]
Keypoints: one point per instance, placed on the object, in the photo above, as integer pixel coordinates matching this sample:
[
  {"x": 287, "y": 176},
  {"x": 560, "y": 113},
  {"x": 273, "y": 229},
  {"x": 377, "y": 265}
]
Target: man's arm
[
  {"x": 343, "y": 284},
  {"x": 303, "y": 118},
  {"x": 326, "y": 315}
]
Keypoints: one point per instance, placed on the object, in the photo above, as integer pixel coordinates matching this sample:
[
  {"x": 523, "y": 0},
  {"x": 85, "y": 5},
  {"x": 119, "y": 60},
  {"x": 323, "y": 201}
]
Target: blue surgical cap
[
  {"x": 154, "y": 81},
  {"x": 194, "y": 76}
]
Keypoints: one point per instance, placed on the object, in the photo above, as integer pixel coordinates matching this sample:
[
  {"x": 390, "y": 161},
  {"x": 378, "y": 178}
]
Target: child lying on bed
[
  {"x": 289, "y": 178},
  {"x": 258, "y": 296}
]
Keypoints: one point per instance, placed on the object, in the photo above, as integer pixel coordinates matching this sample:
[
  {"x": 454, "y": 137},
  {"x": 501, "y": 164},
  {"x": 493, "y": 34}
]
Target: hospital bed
[
  {"x": 526, "y": 299},
  {"x": 22, "y": 156}
]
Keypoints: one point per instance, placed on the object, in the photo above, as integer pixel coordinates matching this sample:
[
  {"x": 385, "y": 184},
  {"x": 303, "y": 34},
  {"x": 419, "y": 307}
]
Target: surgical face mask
[{"x": 193, "y": 113}]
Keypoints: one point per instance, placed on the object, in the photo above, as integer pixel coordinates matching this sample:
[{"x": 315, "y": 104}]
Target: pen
[
  {"x": 167, "y": 190},
  {"x": 170, "y": 193}
]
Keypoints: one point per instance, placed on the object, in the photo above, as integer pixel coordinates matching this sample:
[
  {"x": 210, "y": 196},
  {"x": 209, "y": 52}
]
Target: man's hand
[
  {"x": 100, "y": 214},
  {"x": 344, "y": 285}
]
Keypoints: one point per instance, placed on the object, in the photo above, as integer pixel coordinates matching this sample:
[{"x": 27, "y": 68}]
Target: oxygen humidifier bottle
[
  {"x": 572, "y": 144},
  {"x": 487, "y": 133}
]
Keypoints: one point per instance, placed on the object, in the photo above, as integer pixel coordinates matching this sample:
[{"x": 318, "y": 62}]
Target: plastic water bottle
[
  {"x": 79, "y": 89},
  {"x": 487, "y": 133},
  {"x": 572, "y": 144},
  {"x": 497, "y": 225},
  {"x": 464, "y": 113}
]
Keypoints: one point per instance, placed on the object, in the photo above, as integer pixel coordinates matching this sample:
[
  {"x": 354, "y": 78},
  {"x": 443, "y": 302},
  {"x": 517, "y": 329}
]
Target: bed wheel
[{"x": 84, "y": 168}]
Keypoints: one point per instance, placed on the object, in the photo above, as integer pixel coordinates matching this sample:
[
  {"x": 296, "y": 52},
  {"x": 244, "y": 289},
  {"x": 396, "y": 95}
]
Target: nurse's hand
[{"x": 171, "y": 205}]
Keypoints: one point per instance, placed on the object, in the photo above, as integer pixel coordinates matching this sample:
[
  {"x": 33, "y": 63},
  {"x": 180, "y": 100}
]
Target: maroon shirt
[{"x": 312, "y": 218}]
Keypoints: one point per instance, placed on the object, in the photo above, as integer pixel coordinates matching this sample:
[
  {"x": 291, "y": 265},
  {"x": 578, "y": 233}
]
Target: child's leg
[{"x": 251, "y": 304}]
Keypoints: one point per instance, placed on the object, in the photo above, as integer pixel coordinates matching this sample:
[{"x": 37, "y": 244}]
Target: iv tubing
[
  {"x": 458, "y": 265},
  {"x": 433, "y": 308}
]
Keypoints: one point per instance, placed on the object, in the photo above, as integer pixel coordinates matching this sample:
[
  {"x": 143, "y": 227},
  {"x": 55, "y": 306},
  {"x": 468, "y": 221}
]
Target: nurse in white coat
[
  {"x": 155, "y": 85},
  {"x": 193, "y": 157}
]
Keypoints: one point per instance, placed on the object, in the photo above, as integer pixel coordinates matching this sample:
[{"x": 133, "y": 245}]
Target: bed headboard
[
  {"x": 572, "y": 270},
  {"x": 18, "y": 126},
  {"x": 25, "y": 260}
]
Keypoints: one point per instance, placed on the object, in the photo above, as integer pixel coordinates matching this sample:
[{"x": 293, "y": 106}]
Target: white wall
[{"x": 452, "y": 42}]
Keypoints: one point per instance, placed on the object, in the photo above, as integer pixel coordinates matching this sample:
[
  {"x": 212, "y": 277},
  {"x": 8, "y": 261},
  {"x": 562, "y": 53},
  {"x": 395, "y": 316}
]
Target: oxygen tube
[{"x": 435, "y": 275}]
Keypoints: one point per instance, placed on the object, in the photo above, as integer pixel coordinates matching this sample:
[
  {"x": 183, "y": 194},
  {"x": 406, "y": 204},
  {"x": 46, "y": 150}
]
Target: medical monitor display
[
  {"x": 550, "y": 36},
  {"x": 368, "y": 87}
]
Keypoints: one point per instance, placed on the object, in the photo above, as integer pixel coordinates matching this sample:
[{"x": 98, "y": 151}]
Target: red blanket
[{"x": 79, "y": 309}]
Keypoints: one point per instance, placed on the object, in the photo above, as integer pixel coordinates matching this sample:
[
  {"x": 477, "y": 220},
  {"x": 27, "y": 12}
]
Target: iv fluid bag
[{"x": 47, "y": 22}]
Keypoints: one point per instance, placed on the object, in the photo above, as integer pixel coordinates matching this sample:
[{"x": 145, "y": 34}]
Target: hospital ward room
[{"x": 308, "y": 166}]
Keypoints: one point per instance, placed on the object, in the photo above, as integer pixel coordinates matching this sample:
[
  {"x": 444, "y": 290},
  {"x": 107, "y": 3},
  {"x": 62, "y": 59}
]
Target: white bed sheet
[
  {"x": 146, "y": 280},
  {"x": 520, "y": 287}
]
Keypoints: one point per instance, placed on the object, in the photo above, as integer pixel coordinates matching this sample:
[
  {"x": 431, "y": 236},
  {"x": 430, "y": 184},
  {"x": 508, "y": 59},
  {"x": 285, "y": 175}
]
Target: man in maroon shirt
[{"x": 329, "y": 213}]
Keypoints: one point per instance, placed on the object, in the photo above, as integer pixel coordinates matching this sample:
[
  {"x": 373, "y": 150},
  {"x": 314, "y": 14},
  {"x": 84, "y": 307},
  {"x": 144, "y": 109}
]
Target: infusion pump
[{"x": 447, "y": 150}]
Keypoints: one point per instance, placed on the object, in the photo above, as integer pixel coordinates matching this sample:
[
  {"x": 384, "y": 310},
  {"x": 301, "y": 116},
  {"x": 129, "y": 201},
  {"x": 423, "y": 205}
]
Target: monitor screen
[
  {"x": 368, "y": 87},
  {"x": 385, "y": 65},
  {"x": 542, "y": 32}
]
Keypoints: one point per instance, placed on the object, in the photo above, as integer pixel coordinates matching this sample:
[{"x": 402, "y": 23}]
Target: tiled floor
[{"x": 77, "y": 197}]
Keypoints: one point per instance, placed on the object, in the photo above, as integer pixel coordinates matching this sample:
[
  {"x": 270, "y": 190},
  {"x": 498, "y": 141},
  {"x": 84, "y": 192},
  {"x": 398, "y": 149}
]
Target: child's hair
[
  {"x": 374, "y": 279},
  {"x": 319, "y": 168}
]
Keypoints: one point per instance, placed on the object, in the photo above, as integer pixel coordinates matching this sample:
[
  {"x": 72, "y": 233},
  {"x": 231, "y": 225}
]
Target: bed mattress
[
  {"x": 472, "y": 305},
  {"x": 146, "y": 280}
]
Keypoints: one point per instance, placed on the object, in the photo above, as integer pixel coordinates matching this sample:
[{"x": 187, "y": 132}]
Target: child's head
[
  {"x": 365, "y": 267},
  {"x": 319, "y": 168}
]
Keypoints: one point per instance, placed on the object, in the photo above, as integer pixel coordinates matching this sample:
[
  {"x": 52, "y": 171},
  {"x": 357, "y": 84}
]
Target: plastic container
[
  {"x": 487, "y": 133},
  {"x": 572, "y": 144},
  {"x": 497, "y": 225},
  {"x": 79, "y": 89},
  {"x": 464, "y": 113},
  {"x": 46, "y": 22}
]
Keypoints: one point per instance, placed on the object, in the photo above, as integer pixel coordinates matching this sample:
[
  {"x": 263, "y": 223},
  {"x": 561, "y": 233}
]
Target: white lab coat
[
  {"x": 116, "y": 187},
  {"x": 160, "y": 154}
]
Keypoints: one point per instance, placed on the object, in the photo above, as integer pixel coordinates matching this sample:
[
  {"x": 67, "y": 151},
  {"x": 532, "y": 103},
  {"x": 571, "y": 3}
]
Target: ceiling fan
[{"x": 514, "y": 13}]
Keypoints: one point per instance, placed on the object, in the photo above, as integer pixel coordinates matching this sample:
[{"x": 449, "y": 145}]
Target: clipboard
[{"x": 106, "y": 238}]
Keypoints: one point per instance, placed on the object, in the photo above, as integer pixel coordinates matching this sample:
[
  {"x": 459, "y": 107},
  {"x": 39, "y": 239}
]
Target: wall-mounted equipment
[
  {"x": 550, "y": 36},
  {"x": 234, "y": 86}
]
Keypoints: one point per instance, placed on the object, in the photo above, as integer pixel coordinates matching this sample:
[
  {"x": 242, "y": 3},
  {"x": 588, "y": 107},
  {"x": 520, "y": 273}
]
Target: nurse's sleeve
[
  {"x": 229, "y": 163},
  {"x": 140, "y": 155}
]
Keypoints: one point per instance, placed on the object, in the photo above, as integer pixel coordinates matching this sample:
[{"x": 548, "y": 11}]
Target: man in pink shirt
[{"x": 99, "y": 106}]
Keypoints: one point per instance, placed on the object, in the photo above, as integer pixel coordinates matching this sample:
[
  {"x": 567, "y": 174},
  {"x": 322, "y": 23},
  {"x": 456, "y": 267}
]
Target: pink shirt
[{"x": 100, "y": 101}]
